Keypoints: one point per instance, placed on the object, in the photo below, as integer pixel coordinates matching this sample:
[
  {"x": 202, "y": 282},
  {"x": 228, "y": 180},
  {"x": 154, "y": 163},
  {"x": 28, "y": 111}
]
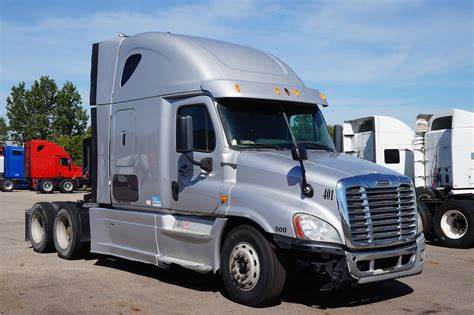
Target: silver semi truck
[{"x": 216, "y": 157}]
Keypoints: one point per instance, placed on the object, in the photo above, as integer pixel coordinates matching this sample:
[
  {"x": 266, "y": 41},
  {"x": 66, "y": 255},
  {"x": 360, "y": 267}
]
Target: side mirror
[
  {"x": 338, "y": 138},
  {"x": 299, "y": 154},
  {"x": 184, "y": 134}
]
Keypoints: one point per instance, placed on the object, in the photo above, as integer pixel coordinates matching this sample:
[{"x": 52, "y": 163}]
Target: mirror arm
[{"x": 194, "y": 162}]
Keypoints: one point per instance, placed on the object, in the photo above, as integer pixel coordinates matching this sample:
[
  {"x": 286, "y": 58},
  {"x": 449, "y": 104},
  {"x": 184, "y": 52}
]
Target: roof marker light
[
  {"x": 287, "y": 91},
  {"x": 277, "y": 90},
  {"x": 322, "y": 96},
  {"x": 296, "y": 92},
  {"x": 237, "y": 87}
]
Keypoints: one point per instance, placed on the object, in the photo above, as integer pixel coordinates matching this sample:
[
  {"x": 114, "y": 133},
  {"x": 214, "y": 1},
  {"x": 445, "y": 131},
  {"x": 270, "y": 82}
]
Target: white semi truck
[
  {"x": 438, "y": 156},
  {"x": 216, "y": 157}
]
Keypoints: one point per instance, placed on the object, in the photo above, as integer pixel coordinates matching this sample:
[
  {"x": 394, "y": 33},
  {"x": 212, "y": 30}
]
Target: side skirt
[{"x": 156, "y": 238}]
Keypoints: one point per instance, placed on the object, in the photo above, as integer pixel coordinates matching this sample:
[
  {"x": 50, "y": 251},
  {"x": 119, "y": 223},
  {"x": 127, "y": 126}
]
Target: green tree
[
  {"x": 18, "y": 114},
  {"x": 40, "y": 99},
  {"x": 43, "y": 112},
  {"x": 3, "y": 131},
  {"x": 67, "y": 116}
]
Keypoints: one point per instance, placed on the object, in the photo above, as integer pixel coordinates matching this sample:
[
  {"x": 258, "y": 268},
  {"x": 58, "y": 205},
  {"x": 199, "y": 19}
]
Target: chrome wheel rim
[
  {"x": 47, "y": 186},
  {"x": 244, "y": 266},
  {"x": 63, "y": 232},
  {"x": 68, "y": 186},
  {"x": 37, "y": 228},
  {"x": 8, "y": 185},
  {"x": 454, "y": 224}
]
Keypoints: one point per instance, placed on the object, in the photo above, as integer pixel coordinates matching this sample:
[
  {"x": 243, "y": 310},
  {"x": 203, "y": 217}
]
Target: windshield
[{"x": 254, "y": 124}]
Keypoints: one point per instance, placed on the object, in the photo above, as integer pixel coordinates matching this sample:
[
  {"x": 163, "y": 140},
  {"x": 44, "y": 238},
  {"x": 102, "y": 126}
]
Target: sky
[{"x": 370, "y": 57}]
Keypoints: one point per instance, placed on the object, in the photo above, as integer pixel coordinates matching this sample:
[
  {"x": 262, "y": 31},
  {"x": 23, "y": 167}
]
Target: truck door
[
  {"x": 64, "y": 166},
  {"x": 194, "y": 189}
]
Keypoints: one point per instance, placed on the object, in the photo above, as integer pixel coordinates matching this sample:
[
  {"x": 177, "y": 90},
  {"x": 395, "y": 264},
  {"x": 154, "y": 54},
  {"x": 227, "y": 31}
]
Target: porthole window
[{"x": 130, "y": 66}]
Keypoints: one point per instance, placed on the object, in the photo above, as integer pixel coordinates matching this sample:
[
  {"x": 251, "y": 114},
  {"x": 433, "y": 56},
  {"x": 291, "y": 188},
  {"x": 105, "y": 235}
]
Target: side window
[
  {"x": 442, "y": 123},
  {"x": 392, "y": 156},
  {"x": 64, "y": 161},
  {"x": 17, "y": 152},
  {"x": 130, "y": 65},
  {"x": 204, "y": 137}
]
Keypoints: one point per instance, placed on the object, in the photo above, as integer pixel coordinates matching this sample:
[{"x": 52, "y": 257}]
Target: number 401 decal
[{"x": 328, "y": 194}]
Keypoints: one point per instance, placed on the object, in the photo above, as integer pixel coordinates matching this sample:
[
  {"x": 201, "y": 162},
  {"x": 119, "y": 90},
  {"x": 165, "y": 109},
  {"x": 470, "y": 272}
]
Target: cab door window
[{"x": 204, "y": 137}]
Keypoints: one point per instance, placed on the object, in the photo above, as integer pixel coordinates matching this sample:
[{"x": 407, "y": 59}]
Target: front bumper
[
  {"x": 360, "y": 266},
  {"x": 383, "y": 264}
]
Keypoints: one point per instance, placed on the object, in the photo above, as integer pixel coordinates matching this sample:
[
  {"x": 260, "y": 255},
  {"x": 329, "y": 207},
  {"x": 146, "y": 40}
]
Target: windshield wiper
[
  {"x": 263, "y": 145},
  {"x": 313, "y": 145}
]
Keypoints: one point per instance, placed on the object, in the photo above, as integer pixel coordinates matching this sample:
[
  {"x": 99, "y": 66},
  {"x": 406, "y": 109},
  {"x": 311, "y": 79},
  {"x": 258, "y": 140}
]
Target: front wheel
[
  {"x": 251, "y": 271},
  {"x": 454, "y": 223}
]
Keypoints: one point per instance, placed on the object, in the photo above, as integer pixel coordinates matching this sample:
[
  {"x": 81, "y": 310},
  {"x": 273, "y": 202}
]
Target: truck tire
[
  {"x": 40, "y": 227},
  {"x": 426, "y": 218},
  {"x": 46, "y": 186},
  {"x": 423, "y": 193},
  {"x": 454, "y": 223},
  {"x": 66, "y": 186},
  {"x": 67, "y": 239},
  {"x": 7, "y": 185},
  {"x": 251, "y": 271}
]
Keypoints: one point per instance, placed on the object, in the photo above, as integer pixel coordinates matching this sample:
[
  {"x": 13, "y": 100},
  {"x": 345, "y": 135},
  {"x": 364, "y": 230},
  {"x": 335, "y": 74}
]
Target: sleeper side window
[
  {"x": 130, "y": 65},
  {"x": 392, "y": 156},
  {"x": 204, "y": 137}
]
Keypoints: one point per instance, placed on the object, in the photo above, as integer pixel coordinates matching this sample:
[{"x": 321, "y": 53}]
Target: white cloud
[{"x": 327, "y": 43}]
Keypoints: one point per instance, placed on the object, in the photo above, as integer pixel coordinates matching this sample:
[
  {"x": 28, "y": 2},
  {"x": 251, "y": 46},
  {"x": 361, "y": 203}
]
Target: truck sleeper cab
[
  {"x": 50, "y": 167},
  {"x": 216, "y": 157}
]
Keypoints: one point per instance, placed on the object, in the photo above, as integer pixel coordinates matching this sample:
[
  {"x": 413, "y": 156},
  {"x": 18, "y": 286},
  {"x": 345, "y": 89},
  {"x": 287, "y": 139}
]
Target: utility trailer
[
  {"x": 438, "y": 156},
  {"x": 40, "y": 165},
  {"x": 216, "y": 157}
]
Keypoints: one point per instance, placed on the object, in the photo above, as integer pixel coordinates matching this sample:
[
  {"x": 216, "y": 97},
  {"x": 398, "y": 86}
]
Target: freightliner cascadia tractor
[{"x": 216, "y": 157}]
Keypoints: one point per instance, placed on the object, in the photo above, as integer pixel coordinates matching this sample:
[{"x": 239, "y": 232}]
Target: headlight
[
  {"x": 419, "y": 223},
  {"x": 312, "y": 228}
]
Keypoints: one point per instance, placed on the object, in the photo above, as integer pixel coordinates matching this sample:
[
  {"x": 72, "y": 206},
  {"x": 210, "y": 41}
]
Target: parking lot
[{"x": 45, "y": 284}]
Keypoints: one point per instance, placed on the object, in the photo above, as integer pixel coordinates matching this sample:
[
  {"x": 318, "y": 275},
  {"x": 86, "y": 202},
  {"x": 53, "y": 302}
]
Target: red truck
[{"x": 49, "y": 167}]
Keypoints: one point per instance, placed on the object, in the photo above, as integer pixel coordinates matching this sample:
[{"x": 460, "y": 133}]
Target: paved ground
[{"x": 45, "y": 284}]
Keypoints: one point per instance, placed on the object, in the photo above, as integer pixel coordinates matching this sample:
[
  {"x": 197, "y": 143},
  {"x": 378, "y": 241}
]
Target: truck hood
[{"x": 324, "y": 168}]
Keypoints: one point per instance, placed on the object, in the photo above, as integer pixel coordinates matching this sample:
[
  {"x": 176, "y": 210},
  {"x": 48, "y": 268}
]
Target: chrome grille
[{"x": 379, "y": 216}]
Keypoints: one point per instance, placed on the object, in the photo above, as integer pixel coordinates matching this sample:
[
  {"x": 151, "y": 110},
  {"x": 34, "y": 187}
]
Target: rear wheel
[
  {"x": 251, "y": 271},
  {"x": 454, "y": 223},
  {"x": 46, "y": 186},
  {"x": 66, "y": 186},
  {"x": 67, "y": 234},
  {"x": 41, "y": 223},
  {"x": 7, "y": 185}
]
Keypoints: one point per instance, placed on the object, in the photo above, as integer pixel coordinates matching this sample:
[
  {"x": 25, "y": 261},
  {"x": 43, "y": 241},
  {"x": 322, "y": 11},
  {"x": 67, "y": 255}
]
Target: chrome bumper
[{"x": 377, "y": 265}]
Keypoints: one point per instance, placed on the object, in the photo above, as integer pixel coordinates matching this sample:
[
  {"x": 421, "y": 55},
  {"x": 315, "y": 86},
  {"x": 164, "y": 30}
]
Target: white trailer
[{"x": 438, "y": 157}]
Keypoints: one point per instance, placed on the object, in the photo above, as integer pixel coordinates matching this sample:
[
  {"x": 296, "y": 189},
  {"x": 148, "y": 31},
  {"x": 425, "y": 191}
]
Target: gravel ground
[{"x": 44, "y": 284}]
